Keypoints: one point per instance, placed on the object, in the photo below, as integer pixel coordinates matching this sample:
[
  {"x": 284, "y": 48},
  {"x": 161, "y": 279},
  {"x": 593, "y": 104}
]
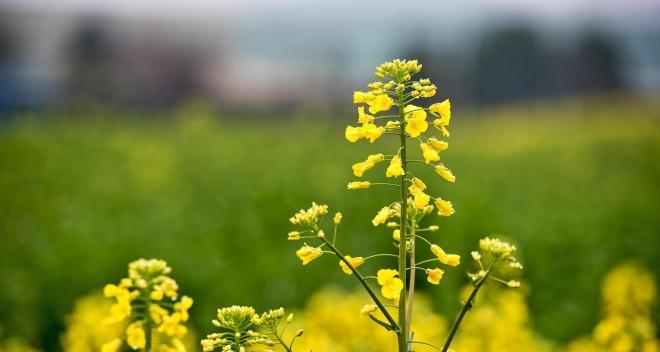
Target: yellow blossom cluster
[
  {"x": 628, "y": 293},
  {"x": 495, "y": 257},
  {"x": 148, "y": 299},
  {"x": 330, "y": 318},
  {"x": 240, "y": 328}
]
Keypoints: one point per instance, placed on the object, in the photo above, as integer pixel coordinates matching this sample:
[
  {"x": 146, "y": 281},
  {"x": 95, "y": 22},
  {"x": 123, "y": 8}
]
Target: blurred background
[{"x": 191, "y": 132}]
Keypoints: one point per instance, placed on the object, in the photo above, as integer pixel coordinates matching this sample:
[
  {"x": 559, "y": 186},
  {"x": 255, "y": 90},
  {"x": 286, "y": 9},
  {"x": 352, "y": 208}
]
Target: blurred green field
[{"x": 575, "y": 184}]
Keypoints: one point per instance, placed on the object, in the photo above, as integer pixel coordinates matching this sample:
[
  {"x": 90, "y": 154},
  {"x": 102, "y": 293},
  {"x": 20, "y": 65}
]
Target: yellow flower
[
  {"x": 416, "y": 185},
  {"x": 421, "y": 199},
  {"x": 382, "y": 216},
  {"x": 111, "y": 290},
  {"x": 391, "y": 285},
  {"x": 337, "y": 218},
  {"x": 135, "y": 336},
  {"x": 182, "y": 307},
  {"x": 434, "y": 275},
  {"x": 293, "y": 236},
  {"x": 444, "y": 258},
  {"x": 445, "y": 173},
  {"x": 372, "y": 132},
  {"x": 380, "y": 103},
  {"x": 442, "y": 110},
  {"x": 395, "y": 168},
  {"x": 396, "y": 235},
  {"x": 429, "y": 153},
  {"x": 111, "y": 346},
  {"x": 355, "y": 262},
  {"x": 120, "y": 310},
  {"x": 364, "y": 118},
  {"x": 353, "y": 134},
  {"x": 445, "y": 208},
  {"x": 414, "y": 112},
  {"x": 368, "y": 309},
  {"x": 360, "y": 168},
  {"x": 362, "y": 97},
  {"x": 436, "y": 144},
  {"x": 308, "y": 253},
  {"x": 171, "y": 326},
  {"x": 157, "y": 313},
  {"x": 156, "y": 294},
  {"x": 392, "y": 125},
  {"x": 513, "y": 283},
  {"x": 359, "y": 184},
  {"x": 415, "y": 120}
]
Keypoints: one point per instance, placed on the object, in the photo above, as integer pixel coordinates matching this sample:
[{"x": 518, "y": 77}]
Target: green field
[{"x": 576, "y": 184}]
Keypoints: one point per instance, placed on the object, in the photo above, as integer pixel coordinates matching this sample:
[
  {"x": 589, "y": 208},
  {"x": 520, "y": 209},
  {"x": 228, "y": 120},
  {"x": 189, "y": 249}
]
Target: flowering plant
[{"x": 396, "y": 89}]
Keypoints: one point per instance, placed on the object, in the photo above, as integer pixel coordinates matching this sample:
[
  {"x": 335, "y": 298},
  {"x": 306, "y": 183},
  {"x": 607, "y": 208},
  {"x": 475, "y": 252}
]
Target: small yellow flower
[
  {"x": 445, "y": 208},
  {"x": 156, "y": 294},
  {"x": 293, "y": 236},
  {"x": 429, "y": 153},
  {"x": 444, "y": 258},
  {"x": 368, "y": 309},
  {"x": 362, "y": 97},
  {"x": 513, "y": 283},
  {"x": 434, "y": 275},
  {"x": 382, "y": 216},
  {"x": 396, "y": 235},
  {"x": 355, "y": 262},
  {"x": 360, "y": 168},
  {"x": 353, "y": 134},
  {"x": 414, "y": 112},
  {"x": 445, "y": 173},
  {"x": 308, "y": 253},
  {"x": 111, "y": 346},
  {"x": 157, "y": 313},
  {"x": 135, "y": 336},
  {"x": 421, "y": 199},
  {"x": 443, "y": 111},
  {"x": 391, "y": 285},
  {"x": 392, "y": 125},
  {"x": 395, "y": 168},
  {"x": 171, "y": 326},
  {"x": 416, "y": 185},
  {"x": 415, "y": 120},
  {"x": 363, "y": 117},
  {"x": 437, "y": 145},
  {"x": 359, "y": 185},
  {"x": 337, "y": 218},
  {"x": 372, "y": 132},
  {"x": 380, "y": 103}
]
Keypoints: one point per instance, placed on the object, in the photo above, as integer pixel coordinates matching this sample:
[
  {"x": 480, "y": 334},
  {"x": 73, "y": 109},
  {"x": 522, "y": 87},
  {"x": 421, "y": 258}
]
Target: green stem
[
  {"x": 287, "y": 348},
  {"x": 403, "y": 336},
  {"x": 364, "y": 283},
  {"x": 411, "y": 280},
  {"x": 466, "y": 306},
  {"x": 147, "y": 333}
]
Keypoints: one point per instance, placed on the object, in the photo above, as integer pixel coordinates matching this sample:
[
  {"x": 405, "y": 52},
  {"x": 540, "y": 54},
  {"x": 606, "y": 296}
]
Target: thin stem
[
  {"x": 425, "y": 344},
  {"x": 466, "y": 306},
  {"x": 381, "y": 255},
  {"x": 403, "y": 336},
  {"x": 147, "y": 334},
  {"x": 365, "y": 284},
  {"x": 287, "y": 348},
  {"x": 411, "y": 280}
]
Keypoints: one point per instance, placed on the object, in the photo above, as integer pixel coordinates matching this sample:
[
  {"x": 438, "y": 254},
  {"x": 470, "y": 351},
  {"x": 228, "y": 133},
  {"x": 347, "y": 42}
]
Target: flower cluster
[
  {"x": 396, "y": 89},
  {"x": 240, "y": 328},
  {"x": 495, "y": 255},
  {"x": 148, "y": 299}
]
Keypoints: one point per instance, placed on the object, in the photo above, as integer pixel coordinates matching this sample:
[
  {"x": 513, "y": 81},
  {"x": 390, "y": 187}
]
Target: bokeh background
[{"x": 191, "y": 131}]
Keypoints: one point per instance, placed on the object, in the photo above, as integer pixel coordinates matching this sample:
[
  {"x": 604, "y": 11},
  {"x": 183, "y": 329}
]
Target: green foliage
[{"x": 576, "y": 185}]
